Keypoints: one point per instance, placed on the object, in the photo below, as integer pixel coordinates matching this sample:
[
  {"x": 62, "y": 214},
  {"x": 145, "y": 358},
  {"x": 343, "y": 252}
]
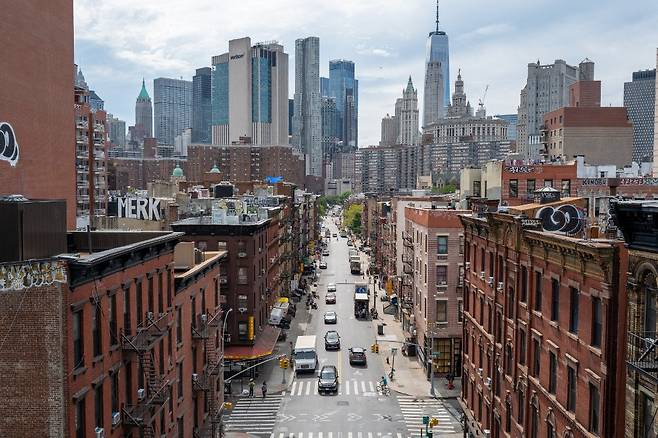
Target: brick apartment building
[
  {"x": 434, "y": 247},
  {"x": 123, "y": 340},
  {"x": 637, "y": 220},
  {"x": 542, "y": 316},
  {"x": 36, "y": 97}
]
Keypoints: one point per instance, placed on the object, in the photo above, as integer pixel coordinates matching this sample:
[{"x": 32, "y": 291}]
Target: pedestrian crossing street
[
  {"x": 304, "y": 387},
  {"x": 256, "y": 415},
  {"x": 414, "y": 409}
]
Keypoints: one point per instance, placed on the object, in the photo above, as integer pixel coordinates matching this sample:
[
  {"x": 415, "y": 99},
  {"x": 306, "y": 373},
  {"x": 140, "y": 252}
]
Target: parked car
[
  {"x": 334, "y": 235},
  {"x": 349, "y": 243},
  {"x": 331, "y": 287},
  {"x": 358, "y": 356},
  {"x": 332, "y": 340},
  {"x": 330, "y": 298},
  {"x": 328, "y": 379},
  {"x": 325, "y": 253},
  {"x": 330, "y": 317},
  {"x": 323, "y": 265}
]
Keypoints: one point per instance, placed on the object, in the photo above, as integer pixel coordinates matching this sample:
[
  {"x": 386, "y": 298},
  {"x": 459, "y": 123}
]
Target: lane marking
[{"x": 363, "y": 386}]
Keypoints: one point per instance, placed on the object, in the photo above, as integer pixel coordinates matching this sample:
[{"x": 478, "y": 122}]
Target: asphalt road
[{"x": 357, "y": 410}]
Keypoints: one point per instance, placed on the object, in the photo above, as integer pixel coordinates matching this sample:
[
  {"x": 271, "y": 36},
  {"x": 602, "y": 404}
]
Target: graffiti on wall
[
  {"x": 520, "y": 169},
  {"x": 567, "y": 219},
  {"x": 18, "y": 276},
  {"x": 8, "y": 144}
]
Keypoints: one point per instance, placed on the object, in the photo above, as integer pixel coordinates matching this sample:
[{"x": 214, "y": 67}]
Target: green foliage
[
  {"x": 352, "y": 218},
  {"x": 444, "y": 190},
  {"x": 325, "y": 202}
]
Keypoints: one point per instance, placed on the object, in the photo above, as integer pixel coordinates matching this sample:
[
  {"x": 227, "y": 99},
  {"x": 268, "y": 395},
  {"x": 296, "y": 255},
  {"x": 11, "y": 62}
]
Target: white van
[
  {"x": 305, "y": 355},
  {"x": 276, "y": 316}
]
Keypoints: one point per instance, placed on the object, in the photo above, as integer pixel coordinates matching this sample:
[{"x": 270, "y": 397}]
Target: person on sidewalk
[
  {"x": 252, "y": 384},
  {"x": 264, "y": 389}
]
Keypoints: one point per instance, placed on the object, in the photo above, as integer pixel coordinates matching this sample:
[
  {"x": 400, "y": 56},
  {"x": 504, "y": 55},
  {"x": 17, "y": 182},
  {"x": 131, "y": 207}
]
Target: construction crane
[{"x": 481, "y": 109}]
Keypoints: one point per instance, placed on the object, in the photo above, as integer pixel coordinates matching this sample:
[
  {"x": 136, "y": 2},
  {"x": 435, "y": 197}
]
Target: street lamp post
[{"x": 223, "y": 339}]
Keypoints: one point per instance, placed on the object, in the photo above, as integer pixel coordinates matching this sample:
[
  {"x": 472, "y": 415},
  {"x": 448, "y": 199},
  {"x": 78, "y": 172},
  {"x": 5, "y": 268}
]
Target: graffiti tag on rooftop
[{"x": 29, "y": 274}]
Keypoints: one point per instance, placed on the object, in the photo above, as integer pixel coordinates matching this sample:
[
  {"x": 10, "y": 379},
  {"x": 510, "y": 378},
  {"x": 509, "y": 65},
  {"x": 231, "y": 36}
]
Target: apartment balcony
[{"x": 642, "y": 354}]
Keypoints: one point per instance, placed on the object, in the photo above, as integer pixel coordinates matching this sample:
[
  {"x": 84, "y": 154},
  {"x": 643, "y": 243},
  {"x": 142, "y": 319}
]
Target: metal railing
[{"x": 642, "y": 354}]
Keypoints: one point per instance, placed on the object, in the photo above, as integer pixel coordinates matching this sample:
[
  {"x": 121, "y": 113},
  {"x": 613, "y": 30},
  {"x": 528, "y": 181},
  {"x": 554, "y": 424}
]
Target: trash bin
[{"x": 380, "y": 329}]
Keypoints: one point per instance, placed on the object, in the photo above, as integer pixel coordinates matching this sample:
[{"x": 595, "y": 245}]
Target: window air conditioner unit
[
  {"x": 488, "y": 382},
  {"x": 242, "y": 309},
  {"x": 100, "y": 432},
  {"x": 443, "y": 283},
  {"x": 491, "y": 281},
  {"x": 242, "y": 254},
  {"x": 486, "y": 433},
  {"x": 149, "y": 316},
  {"x": 481, "y": 275},
  {"x": 141, "y": 393},
  {"x": 116, "y": 418},
  {"x": 204, "y": 318},
  {"x": 162, "y": 315},
  {"x": 195, "y": 377},
  {"x": 223, "y": 280},
  {"x": 500, "y": 286},
  {"x": 480, "y": 372},
  {"x": 468, "y": 265}
]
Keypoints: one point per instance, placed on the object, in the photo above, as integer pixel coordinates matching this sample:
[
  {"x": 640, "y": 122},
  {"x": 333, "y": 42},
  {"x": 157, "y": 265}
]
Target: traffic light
[
  {"x": 374, "y": 348},
  {"x": 283, "y": 362},
  {"x": 434, "y": 422},
  {"x": 228, "y": 406}
]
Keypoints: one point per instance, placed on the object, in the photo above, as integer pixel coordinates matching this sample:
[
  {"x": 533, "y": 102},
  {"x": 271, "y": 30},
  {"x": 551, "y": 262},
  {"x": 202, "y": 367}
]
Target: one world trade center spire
[{"x": 437, "y": 75}]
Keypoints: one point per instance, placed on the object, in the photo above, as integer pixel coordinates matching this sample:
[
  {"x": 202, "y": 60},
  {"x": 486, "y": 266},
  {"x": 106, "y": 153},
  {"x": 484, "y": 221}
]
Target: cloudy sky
[{"x": 120, "y": 41}]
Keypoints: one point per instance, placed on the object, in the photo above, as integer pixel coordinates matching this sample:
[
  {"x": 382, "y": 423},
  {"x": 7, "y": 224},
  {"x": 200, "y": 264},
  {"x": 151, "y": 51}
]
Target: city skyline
[{"x": 492, "y": 48}]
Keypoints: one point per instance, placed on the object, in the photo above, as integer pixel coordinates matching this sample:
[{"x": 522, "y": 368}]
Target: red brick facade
[
  {"x": 530, "y": 177},
  {"x": 542, "y": 316}
]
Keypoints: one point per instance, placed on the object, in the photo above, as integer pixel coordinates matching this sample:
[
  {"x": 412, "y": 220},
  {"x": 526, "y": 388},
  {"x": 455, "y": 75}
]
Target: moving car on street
[
  {"x": 325, "y": 253},
  {"x": 331, "y": 287},
  {"x": 334, "y": 235},
  {"x": 330, "y": 298},
  {"x": 323, "y": 265},
  {"x": 358, "y": 356},
  {"x": 330, "y": 317},
  {"x": 332, "y": 340},
  {"x": 328, "y": 379}
]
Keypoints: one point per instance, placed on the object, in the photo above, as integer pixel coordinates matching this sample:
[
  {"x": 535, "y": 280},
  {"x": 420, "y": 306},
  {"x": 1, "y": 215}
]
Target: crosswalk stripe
[
  {"x": 369, "y": 434},
  {"x": 294, "y": 386},
  {"x": 308, "y": 388},
  {"x": 349, "y": 434},
  {"x": 363, "y": 386},
  {"x": 319, "y": 434},
  {"x": 356, "y": 388},
  {"x": 372, "y": 386},
  {"x": 330, "y": 435},
  {"x": 315, "y": 389},
  {"x": 359, "y": 435},
  {"x": 310, "y": 435}
]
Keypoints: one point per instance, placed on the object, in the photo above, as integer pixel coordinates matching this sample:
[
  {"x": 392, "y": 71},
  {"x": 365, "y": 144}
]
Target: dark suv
[
  {"x": 358, "y": 356},
  {"x": 328, "y": 379},
  {"x": 332, "y": 340}
]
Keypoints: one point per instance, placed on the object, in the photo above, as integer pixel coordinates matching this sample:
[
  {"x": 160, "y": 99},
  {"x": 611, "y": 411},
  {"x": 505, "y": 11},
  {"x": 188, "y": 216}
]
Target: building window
[
  {"x": 531, "y": 184},
  {"x": 149, "y": 295},
  {"x": 548, "y": 183},
  {"x": 114, "y": 336},
  {"x": 441, "y": 311},
  {"x": 566, "y": 188},
  {"x": 646, "y": 416},
  {"x": 461, "y": 245},
  {"x": 522, "y": 351},
  {"x": 534, "y": 420},
  {"x": 571, "y": 388},
  {"x": 168, "y": 288},
  {"x": 242, "y": 275},
  {"x": 98, "y": 403},
  {"x": 481, "y": 310},
  {"x": 524, "y": 284},
  {"x": 573, "y": 309},
  {"x": 555, "y": 299},
  {"x": 442, "y": 244},
  {"x": 127, "y": 329},
  {"x": 140, "y": 303},
  {"x": 181, "y": 428},
  {"x": 538, "y": 291},
  {"x": 80, "y": 418},
  {"x": 97, "y": 331},
  {"x": 78, "y": 340},
  {"x": 179, "y": 325},
  {"x": 593, "y": 409},
  {"x": 521, "y": 406},
  {"x": 114, "y": 382},
  {"x": 180, "y": 380},
  {"x": 510, "y": 302},
  {"x": 508, "y": 416},
  {"x": 441, "y": 274},
  {"x": 514, "y": 188},
  {"x": 597, "y": 322},
  {"x": 482, "y": 261},
  {"x": 536, "y": 357},
  {"x": 509, "y": 359},
  {"x": 476, "y": 189},
  {"x": 160, "y": 292},
  {"x": 460, "y": 310},
  {"x": 552, "y": 373}
]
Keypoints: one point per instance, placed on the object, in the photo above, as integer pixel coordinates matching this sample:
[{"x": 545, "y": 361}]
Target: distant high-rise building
[
  {"x": 307, "y": 123},
  {"x": 143, "y": 116},
  {"x": 390, "y": 130},
  {"x": 655, "y": 125},
  {"x": 172, "y": 108},
  {"x": 201, "y": 106},
  {"x": 250, "y": 94},
  {"x": 116, "y": 131},
  {"x": 329, "y": 136},
  {"x": 437, "y": 75},
  {"x": 95, "y": 101},
  {"x": 291, "y": 111},
  {"x": 546, "y": 89},
  {"x": 342, "y": 86},
  {"x": 408, "y": 117},
  {"x": 511, "y": 128},
  {"x": 640, "y": 101}
]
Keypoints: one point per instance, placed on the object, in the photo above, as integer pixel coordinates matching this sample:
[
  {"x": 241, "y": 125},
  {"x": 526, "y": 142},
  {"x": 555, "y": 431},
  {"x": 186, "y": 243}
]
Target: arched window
[
  {"x": 551, "y": 431},
  {"x": 509, "y": 359},
  {"x": 649, "y": 297},
  {"x": 508, "y": 414}
]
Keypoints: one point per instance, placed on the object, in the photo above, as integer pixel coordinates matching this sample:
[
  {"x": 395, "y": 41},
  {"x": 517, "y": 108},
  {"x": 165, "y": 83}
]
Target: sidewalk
[{"x": 410, "y": 377}]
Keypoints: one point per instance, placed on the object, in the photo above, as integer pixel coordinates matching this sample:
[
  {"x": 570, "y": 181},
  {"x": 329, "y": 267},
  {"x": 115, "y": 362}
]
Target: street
[{"x": 358, "y": 410}]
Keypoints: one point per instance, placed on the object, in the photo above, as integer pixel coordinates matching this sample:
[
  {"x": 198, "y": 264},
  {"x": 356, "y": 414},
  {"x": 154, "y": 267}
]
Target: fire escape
[
  {"x": 151, "y": 399},
  {"x": 406, "y": 298},
  {"x": 210, "y": 380}
]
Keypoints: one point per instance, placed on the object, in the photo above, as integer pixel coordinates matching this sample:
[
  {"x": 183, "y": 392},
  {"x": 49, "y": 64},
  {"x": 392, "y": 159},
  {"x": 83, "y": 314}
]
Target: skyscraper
[
  {"x": 143, "y": 115},
  {"x": 437, "y": 75},
  {"x": 201, "y": 106},
  {"x": 329, "y": 135},
  {"x": 250, "y": 94},
  {"x": 640, "y": 101},
  {"x": 408, "y": 118},
  {"x": 116, "y": 132},
  {"x": 307, "y": 129},
  {"x": 547, "y": 89},
  {"x": 342, "y": 86},
  {"x": 172, "y": 108},
  {"x": 390, "y": 130}
]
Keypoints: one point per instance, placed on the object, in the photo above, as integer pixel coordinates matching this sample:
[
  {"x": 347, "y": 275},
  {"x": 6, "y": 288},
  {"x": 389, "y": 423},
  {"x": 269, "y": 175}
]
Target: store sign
[
  {"x": 8, "y": 145},
  {"x": 238, "y": 56},
  {"x": 135, "y": 208}
]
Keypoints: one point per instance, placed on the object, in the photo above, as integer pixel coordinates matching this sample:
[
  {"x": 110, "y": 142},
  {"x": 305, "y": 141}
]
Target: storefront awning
[{"x": 264, "y": 345}]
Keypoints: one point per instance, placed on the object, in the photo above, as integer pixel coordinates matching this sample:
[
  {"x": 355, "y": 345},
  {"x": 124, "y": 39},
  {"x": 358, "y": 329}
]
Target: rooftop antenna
[{"x": 437, "y": 16}]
